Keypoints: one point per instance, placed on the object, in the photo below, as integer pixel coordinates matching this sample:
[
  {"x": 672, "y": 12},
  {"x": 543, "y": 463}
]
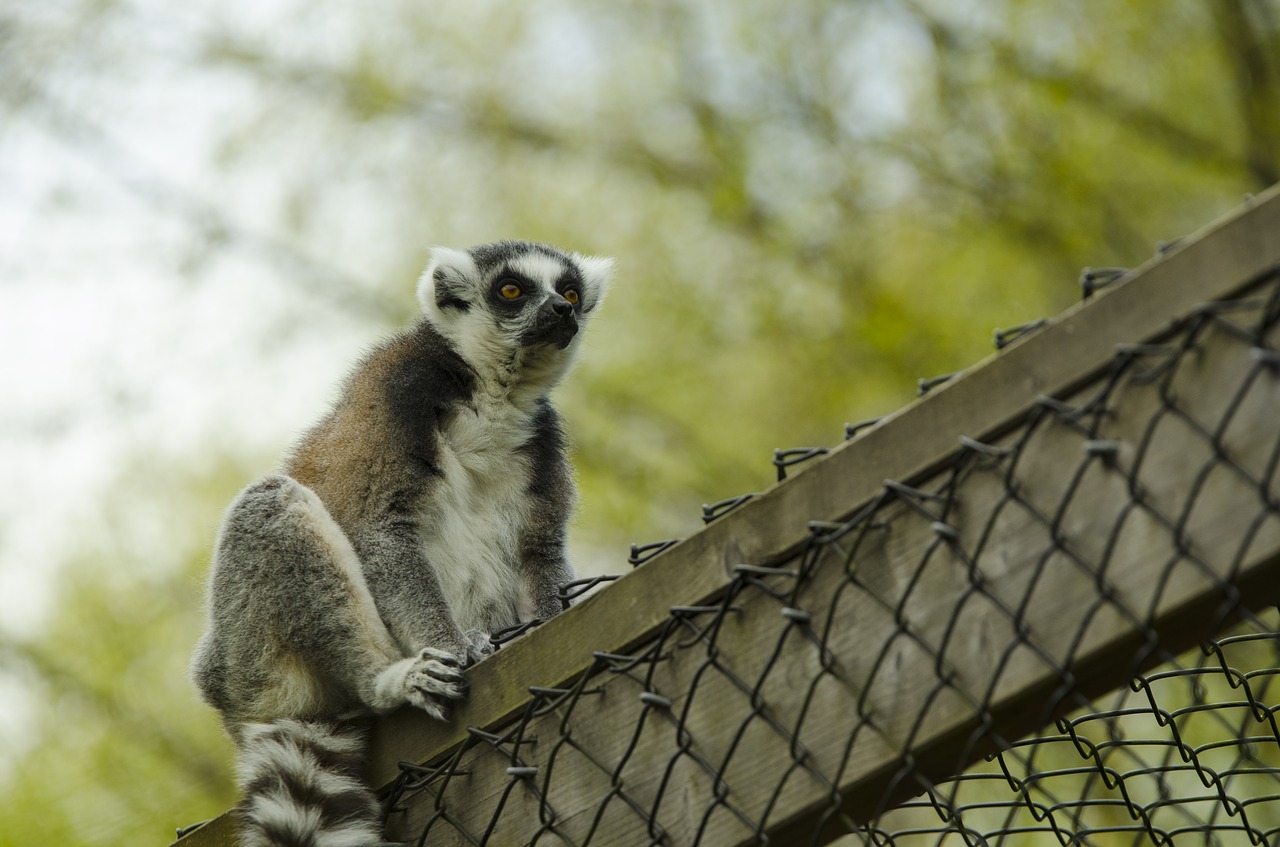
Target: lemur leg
[{"x": 301, "y": 629}]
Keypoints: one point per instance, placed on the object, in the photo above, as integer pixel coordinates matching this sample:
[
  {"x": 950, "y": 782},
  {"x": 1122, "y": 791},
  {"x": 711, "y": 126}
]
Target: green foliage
[{"x": 812, "y": 205}]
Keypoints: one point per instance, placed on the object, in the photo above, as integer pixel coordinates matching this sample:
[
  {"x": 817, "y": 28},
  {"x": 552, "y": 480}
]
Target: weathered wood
[
  {"x": 985, "y": 402},
  {"x": 917, "y": 611}
]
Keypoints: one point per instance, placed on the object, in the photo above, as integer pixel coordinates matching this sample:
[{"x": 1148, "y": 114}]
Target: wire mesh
[
  {"x": 1004, "y": 652},
  {"x": 1186, "y": 754}
]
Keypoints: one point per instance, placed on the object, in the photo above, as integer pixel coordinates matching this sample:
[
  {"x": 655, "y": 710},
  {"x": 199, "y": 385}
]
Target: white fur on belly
[{"x": 472, "y": 528}]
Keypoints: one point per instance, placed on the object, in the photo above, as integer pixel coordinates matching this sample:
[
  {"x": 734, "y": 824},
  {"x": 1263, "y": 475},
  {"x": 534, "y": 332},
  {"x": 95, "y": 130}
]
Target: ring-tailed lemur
[{"x": 427, "y": 510}]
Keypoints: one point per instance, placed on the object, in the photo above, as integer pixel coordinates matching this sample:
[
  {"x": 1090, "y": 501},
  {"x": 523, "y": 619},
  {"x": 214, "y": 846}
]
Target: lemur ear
[
  {"x": 597, "y": 273},
  {"x": 446, "y": 283}
]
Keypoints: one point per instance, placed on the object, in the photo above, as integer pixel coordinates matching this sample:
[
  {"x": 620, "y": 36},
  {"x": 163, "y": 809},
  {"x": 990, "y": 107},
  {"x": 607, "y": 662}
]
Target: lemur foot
[{"x": 424, "y": 681}]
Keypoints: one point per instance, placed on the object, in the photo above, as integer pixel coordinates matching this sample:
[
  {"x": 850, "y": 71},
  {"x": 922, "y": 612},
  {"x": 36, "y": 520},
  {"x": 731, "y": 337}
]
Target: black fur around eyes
[
  {"x": 513, "y": 304},
  {"x": 570, "y": 280}
]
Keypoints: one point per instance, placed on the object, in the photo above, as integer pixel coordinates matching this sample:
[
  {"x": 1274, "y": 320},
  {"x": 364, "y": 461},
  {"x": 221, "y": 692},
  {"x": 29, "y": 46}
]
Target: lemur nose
[{"x": 561, "y": 306}]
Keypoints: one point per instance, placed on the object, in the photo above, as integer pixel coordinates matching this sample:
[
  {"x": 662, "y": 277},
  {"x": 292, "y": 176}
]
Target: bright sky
[{"x": 109, "y": 352}]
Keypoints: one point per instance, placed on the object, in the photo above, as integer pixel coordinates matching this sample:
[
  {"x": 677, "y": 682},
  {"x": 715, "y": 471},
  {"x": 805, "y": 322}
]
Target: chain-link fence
[
  {"x": 942, "y": 667},
  {"x": 1188, "y": 753}
]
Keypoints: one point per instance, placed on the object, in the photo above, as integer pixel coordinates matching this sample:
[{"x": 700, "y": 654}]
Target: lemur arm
[
  {"x": 407, "y": 591},
  {"x": 544, "y": 559}
]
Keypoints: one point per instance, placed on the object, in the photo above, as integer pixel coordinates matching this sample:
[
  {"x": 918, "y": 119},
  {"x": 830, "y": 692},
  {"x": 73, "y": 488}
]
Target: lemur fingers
[
  {"x": 437, "y": 676},
  {"x": 424, "y": 681},
  {"x": 442, "y": 657}
]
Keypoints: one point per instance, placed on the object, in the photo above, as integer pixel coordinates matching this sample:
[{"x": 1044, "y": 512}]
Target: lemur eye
[
  {"x": 510, "y": 291},
  {"x": 572, "y": 296}
]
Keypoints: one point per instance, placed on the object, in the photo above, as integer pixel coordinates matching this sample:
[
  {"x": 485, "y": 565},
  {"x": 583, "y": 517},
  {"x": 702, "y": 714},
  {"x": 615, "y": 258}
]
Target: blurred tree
[
  {"x": 116, "y": 751},
  {"x": 812, "y": 204},
  {"x": 790, "y": 190}
]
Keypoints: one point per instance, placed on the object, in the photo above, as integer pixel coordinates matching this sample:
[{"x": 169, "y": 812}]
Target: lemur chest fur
[{"x": 475, "y": 516}]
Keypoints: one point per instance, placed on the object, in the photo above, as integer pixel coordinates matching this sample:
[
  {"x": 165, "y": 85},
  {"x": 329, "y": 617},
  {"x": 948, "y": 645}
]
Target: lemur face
[{"x": 503, "y": 298}]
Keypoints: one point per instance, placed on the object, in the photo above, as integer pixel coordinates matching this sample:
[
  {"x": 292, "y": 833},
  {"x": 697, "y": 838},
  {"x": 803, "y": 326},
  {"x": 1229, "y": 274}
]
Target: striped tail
[{"x": 303, "y": 788}]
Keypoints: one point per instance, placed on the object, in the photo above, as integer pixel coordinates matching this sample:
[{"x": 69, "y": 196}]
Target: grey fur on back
[{"x": 426, "y": 510}]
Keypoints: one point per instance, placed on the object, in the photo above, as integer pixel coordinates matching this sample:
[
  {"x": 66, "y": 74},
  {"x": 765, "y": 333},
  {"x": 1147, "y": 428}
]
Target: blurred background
[{"x": 209, "y": 209}]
